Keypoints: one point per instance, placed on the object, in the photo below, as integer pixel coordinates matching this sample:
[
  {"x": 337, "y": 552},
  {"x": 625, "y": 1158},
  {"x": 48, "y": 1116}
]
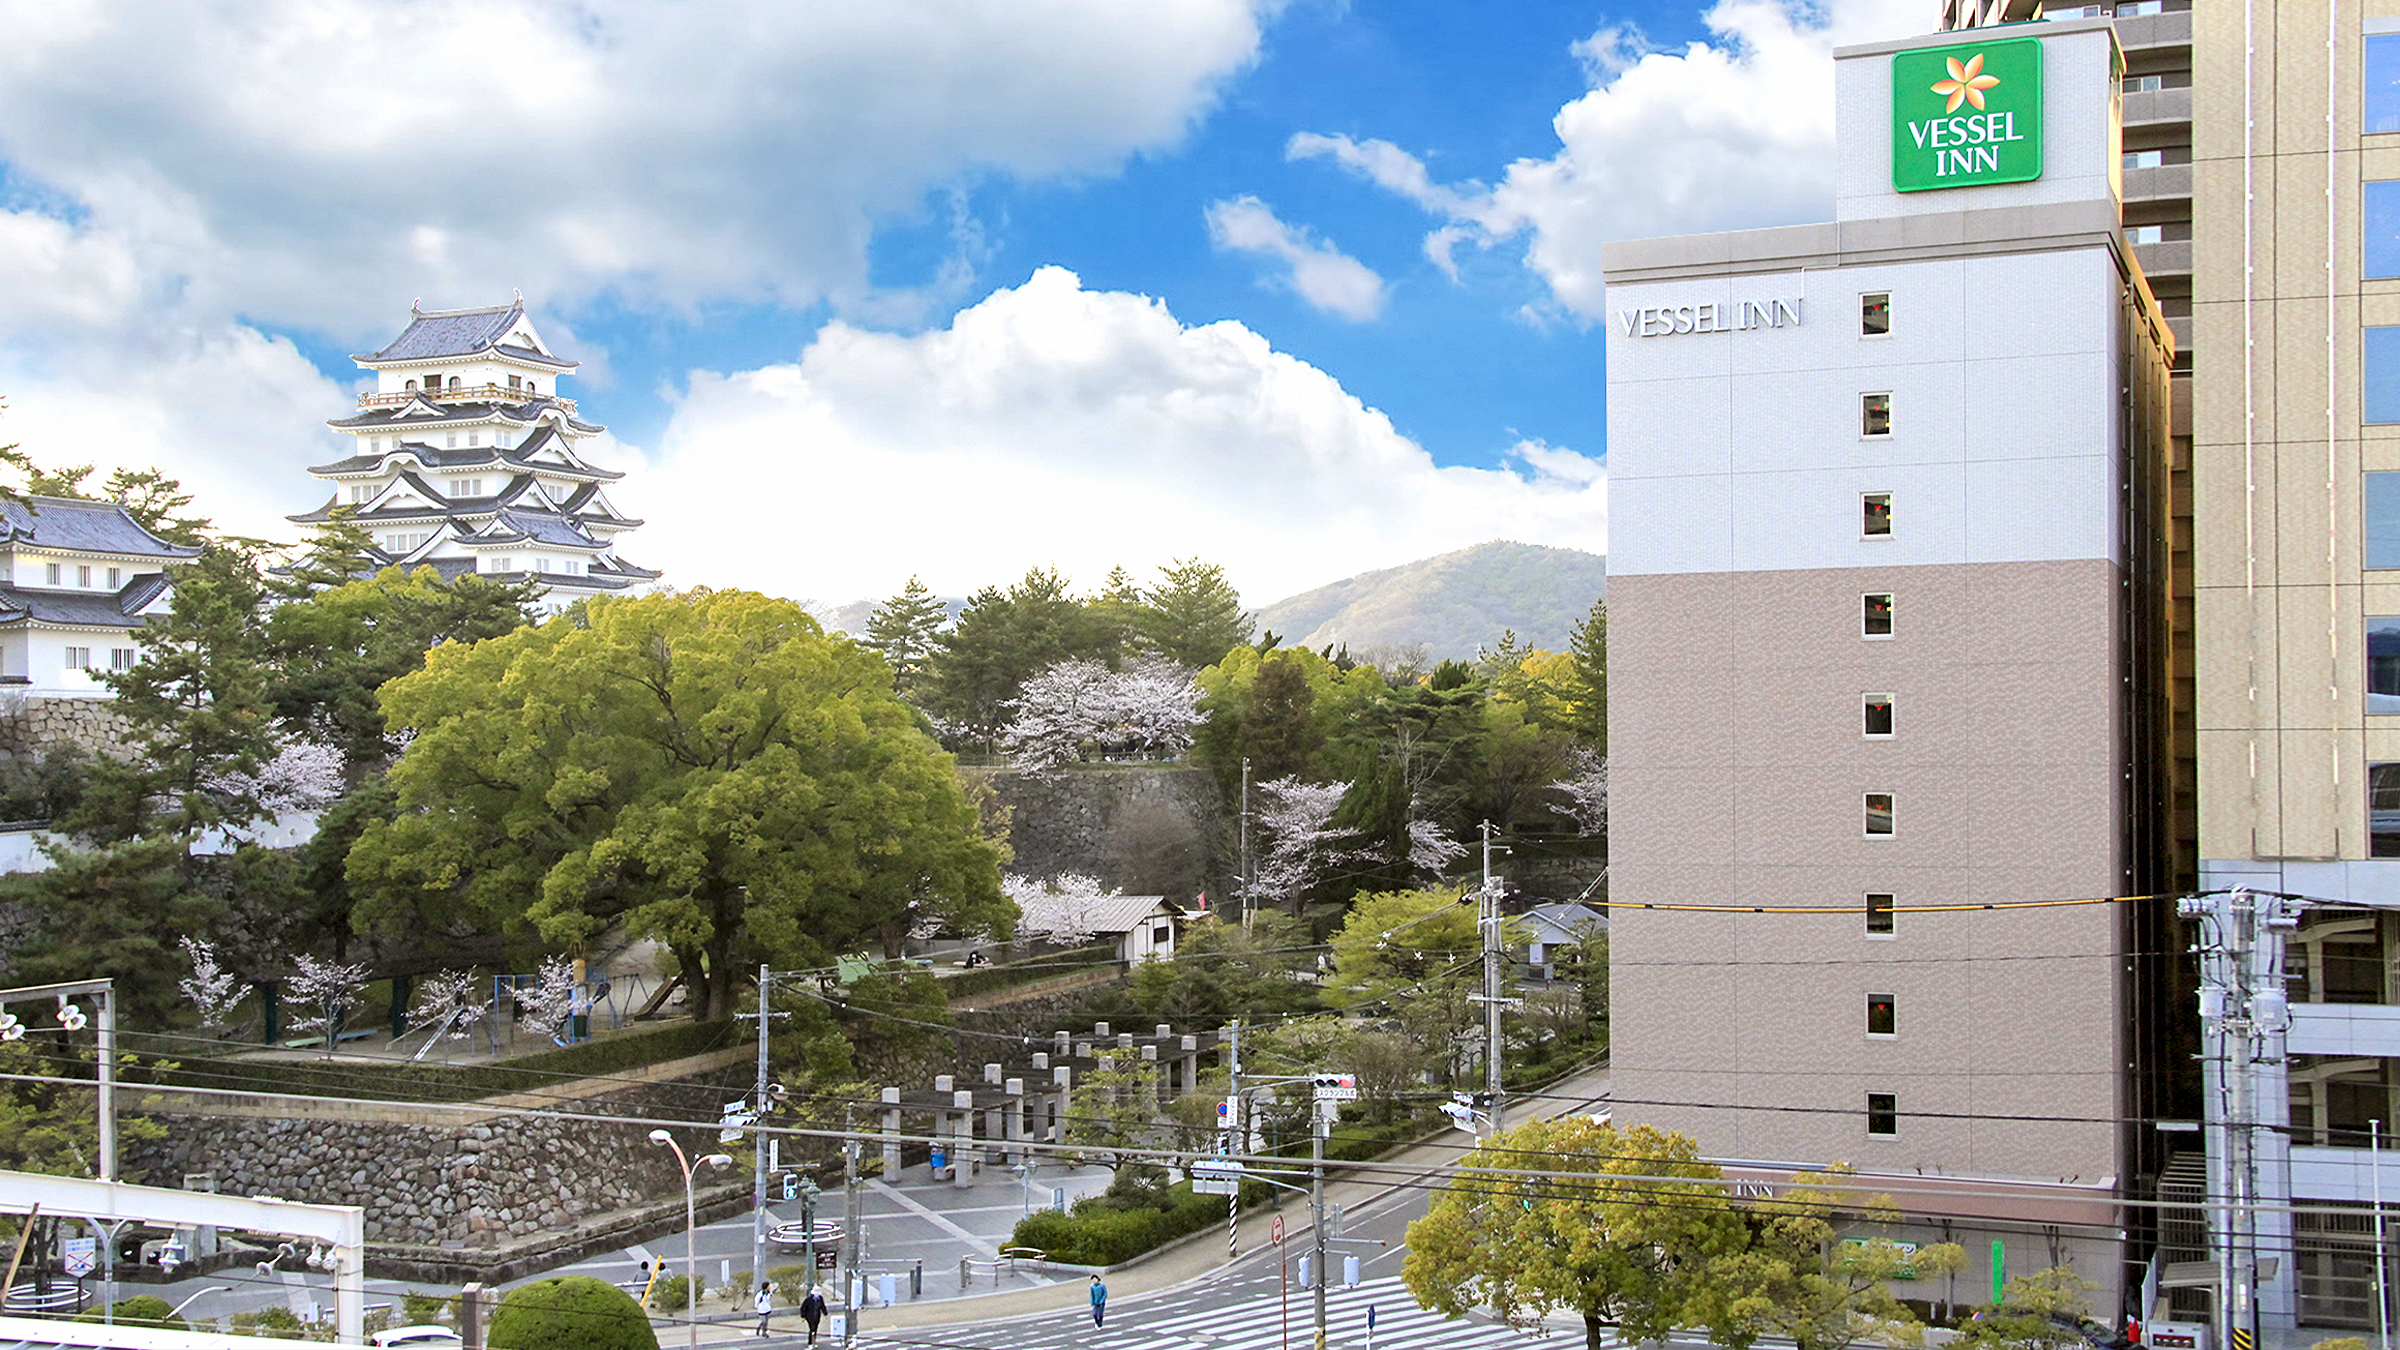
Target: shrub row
[
  {"x": 455, "y": 1082},
  {"x": 1008, "y": 975}
]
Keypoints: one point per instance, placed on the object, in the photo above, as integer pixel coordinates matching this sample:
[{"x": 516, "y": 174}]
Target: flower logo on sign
[{"x": 1966, "y": 83}]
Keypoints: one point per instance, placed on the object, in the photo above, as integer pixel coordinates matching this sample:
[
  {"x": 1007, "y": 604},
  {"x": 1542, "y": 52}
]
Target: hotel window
[
  {"x": 1883, "y": 1115},
  {"x": 1875, "y": 618},
  {"x": 1882, "y": 1018},
  {"x": 83, "y": 577},
  {"x": 1877, "y": 710},
  {"x": 50, "y": 574},
  {"x": 1875, "y": 314},
  {"x": 2380, "y": 541},
  {"x": 1875, "y": 515},
  {"x": 123, "y": 658},
  {"x": 2383, "y": 810},
  {"x": 1879, "y": 815},
  {"x": 2145, "y": 159},
  {"x": 2381, "y": 203},
  {"x": 2383, "y": 665},
  {"x": 2145, "y": 234},
  {"x": 2379, "y": 375},
  {"x": 1874, "y": 415},
  {"x": 2144, "y": 84},
  {"x": 2383, "y": 83},
  {"x": 79, "y": 658},
  {"x": 115, "y": 577},
  {"x": 1879, "y": 914}
]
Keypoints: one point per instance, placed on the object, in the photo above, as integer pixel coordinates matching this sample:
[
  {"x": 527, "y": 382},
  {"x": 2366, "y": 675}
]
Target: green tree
[
  {"x": 905, "y": 631},
  {"x": 1000, "y": 640},
  {"x": 570, "y": 1312},
  {"x": 334, "y": 649},
  {"x": 1117, "y": 614},
  {"x": 1800, "y": 1280},
  {"x": 197, "y": 708},
  {"x": 1224, "y": 970},
  {"x": 2041, "y": 1311},
  {"x": 1417, "y": 953},
  {"x": 1585, "y": 686},
  {"x": 1626, "y": 1228},
  {"x": 707, "y": 769},
  {"x": 1193, "y": 616},
  {"x": 1242, "y": 721}
]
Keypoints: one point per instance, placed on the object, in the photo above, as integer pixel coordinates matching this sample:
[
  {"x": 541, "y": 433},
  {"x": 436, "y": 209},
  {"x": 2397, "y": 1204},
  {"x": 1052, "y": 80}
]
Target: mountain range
[
  {"x": 1445, "y": 606},
  {"x": 1451, "y": 604}
]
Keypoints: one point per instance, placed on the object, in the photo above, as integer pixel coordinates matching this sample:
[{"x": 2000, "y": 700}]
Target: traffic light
[
  {"x": 1333, "y": 1080},
  {"x": 791, "y": 1185}
]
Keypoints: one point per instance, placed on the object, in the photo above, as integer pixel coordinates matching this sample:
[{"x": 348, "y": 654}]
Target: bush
[
  {"x": 670, "y": 1292},
  {"x": 278, "y": 1319},
  {"x": 1099, "y": 1233},
  {"x": 570, "y": 1312},
  {"x": 425, "y": 1309},
  {"x": 142, "y": 1310}
]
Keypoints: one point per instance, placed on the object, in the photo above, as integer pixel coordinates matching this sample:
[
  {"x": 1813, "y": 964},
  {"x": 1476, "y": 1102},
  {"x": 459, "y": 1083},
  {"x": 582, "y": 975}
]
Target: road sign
[
  {"x": 82, "y": 1256},
  {"x": 1276, "y": 1233},
  {"x": 827, "y": 1260},
  {"x": 1335, "y": 1087},
  {"x": 1220, "y": 1177}
]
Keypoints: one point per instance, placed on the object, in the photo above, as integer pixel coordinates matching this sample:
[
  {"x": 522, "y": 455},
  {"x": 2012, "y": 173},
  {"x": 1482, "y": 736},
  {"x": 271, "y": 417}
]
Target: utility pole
[
  {"x": 758, "y": 1149},
  {"x": 850, "y": 1234},
  {"x": 1242, "y": 834},
  {"x": 1322, "y": 1114},
  {"x": 2244, "y": 1013},
  {"x": 1488, "y": 911},
  {"x": 1236, "y": 1142}
]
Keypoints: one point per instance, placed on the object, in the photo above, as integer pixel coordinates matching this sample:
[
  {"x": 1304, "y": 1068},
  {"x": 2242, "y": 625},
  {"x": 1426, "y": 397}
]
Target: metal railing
[{"x": 480, "y": 393}]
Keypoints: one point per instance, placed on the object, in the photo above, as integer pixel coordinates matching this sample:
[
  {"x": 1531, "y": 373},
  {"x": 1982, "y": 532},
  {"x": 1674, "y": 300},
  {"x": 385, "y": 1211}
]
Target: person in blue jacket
[{"x": 1099, "y": 1299}]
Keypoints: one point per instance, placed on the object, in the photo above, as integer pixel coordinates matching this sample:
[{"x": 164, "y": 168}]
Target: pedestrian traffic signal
[{"x": 791, "y": 1185}]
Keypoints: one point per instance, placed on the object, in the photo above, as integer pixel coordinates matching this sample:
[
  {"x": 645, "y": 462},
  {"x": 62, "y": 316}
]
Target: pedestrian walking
[
  {"x": 1099, "y": 1300},
  {"x": 812, "y": 1311},
  {"x": 765, "y": 1304}
]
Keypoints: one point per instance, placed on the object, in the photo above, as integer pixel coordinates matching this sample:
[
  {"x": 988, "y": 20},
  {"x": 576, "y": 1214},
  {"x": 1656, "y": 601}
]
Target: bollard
[
  {"x": 916, "y": 1279},
  {"x": 962, "y": 1272}
]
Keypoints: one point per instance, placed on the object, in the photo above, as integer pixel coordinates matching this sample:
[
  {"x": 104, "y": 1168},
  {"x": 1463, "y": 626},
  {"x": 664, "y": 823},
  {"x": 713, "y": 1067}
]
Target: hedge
[
  {"x": 985, "y": 979},
  {"x": 1098, "y": 1232},
  {"x": 570, "y": 1312},
  {"x": 455, "y": 1082}
]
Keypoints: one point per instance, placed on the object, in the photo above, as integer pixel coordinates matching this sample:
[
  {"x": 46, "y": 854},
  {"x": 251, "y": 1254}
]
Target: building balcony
[
  {"x": 481, "y": 393},
  {"x": 2149, "y": 32},
  {"x": 2158, "y": 107},
  {"x": 2167, "y": 182},
  {"x": 2167, "y": 258},
  {"x": 2348, "y": 1030},
  {"x": 2347, "y": 1174}
]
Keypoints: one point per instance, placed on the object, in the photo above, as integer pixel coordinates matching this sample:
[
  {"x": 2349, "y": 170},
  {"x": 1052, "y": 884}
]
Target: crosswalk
[{"x": 1399, "y": 1325}]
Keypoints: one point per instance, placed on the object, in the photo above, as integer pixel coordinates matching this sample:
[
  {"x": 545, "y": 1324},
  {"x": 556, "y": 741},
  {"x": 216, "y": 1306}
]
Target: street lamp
[
  {"x": 691, "y": 1221},
  {"x": 177, "y": 1310}
]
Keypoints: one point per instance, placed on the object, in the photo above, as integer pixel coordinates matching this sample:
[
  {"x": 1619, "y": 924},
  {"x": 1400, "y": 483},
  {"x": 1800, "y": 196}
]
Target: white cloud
[
  {"x": 672, "y": 153},
  {"x": 183, "y": 180},
  {"x": 1054, "y": 425},
  {"x": 1725, "y": 134},
  {"x": 1321, "y": 274}
]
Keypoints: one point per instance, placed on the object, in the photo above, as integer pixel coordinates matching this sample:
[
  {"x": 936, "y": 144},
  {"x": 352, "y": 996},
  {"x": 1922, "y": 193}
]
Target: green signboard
[{"x": 1967, "y": 116}]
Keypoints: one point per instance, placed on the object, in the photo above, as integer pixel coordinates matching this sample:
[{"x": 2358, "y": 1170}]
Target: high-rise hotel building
[{"x": 1891, "y": 604}]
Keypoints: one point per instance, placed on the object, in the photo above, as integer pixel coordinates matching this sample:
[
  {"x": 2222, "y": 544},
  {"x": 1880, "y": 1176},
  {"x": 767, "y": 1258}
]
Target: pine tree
[
  {"x": 1194, "y": 616},
  {"x": 904, "y": 629},
  {"x": 1588, "y": 682}
]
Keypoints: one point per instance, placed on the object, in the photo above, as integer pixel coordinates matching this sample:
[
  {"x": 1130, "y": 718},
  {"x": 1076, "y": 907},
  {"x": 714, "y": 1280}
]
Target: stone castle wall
[
  {"x": 30, "y": 725},
  {"x": 432, "y": 1178}
]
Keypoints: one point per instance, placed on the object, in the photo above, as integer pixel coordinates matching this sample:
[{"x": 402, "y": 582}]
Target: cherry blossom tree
[
  {"x": 321, "y": 994},
  {"x": 301, "y": 775},
  {"x": 1061, "y": 909},
  {"x": 1587, "y": 791},
  {"x": 447, "y": 999},
  {"x": 1294, "y": 820},
  {"x": 1071, "y": 708},
  {"x": 545, "y": 1005},
  {"x": 212, "y": 989}
]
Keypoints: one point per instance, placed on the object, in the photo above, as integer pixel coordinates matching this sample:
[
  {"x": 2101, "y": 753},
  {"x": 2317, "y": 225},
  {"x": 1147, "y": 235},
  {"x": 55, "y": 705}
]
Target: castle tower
[{"x": 465, "y": 459}]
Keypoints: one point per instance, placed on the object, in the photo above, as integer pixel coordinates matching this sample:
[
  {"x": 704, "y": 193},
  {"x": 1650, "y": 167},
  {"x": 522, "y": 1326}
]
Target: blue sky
[{"x": 935, "y": 286}]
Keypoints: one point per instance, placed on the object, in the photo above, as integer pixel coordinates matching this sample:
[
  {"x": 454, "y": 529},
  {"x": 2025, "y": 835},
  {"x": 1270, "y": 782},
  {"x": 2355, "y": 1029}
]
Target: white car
[{"x": 432, "y": 1336}]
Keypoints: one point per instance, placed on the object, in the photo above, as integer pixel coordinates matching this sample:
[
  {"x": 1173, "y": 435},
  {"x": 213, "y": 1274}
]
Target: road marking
[{"x": 937, "y": 1220}]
